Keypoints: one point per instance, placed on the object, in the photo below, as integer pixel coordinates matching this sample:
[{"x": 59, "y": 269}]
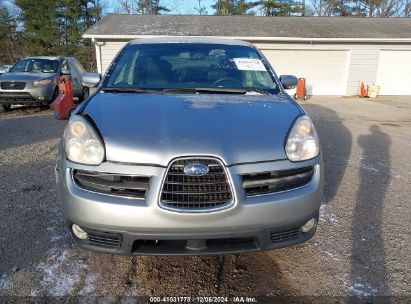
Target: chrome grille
[
  {"x": 276, "y": 181},
  {"x": 112, "y": 183},
  {"x": 182, "y": 192},
  {"x": 11, "y": 85}
]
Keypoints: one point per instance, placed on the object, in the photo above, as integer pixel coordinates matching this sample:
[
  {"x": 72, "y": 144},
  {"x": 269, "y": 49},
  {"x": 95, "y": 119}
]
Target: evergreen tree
[
  {"x": 243, "y": 7},
  {"x": 41, "y": 27},
  {"x": 234, "y": 7},
  {"x": 74, "y": 18},
  {"x": 55, "y": 27},
  {"x": 281, "y": 7},
  {"x": 10, "y": 49},
  {"x": 144, "y": 7}
]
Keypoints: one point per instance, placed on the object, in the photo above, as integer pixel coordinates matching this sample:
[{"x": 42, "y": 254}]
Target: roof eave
[{"x": 255, "y": 39}]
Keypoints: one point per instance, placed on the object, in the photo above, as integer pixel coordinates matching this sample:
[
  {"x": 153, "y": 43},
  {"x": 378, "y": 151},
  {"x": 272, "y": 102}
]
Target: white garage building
[{"x": 334, "y": 54}]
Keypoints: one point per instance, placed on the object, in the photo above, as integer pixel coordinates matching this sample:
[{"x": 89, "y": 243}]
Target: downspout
[{"x": 98, "y": 54}]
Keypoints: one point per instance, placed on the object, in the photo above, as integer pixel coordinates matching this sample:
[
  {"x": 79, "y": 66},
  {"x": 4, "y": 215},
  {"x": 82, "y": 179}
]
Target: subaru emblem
[{"x": 196, "y": 169}]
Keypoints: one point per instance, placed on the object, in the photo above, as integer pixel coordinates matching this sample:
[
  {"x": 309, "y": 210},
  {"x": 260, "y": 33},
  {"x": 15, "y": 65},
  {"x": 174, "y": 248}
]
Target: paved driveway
[{"x": 362, "y": 247}]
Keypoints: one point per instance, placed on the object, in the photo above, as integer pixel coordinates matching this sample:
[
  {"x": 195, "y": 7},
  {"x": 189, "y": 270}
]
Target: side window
[
  {"x": 73, "y": 67},
  {"x": 65, "y": 67},
  {"x": 78, "y": 65},
  {"x": 127, "y": 73}
]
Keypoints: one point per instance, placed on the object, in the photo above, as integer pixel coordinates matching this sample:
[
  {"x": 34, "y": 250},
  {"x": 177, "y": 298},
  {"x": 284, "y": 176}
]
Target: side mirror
[
  {"x": 8, "y": 69},
  {"x": 90, "y": 80},
  {"x": 65, "y": 72},
  {"x": 288, "y": 81}
]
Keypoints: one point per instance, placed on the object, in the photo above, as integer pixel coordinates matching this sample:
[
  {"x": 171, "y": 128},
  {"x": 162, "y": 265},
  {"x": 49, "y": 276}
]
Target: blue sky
[{"x": 176, "y": 6}]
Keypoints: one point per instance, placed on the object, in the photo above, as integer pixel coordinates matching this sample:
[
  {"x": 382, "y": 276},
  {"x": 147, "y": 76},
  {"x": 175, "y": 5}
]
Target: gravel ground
[{"x": 360, "y": 252}]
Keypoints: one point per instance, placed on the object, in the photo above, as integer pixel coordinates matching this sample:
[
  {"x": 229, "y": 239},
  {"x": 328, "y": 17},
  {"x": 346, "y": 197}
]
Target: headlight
[
  {"x": 82, "y": 143},
  {"x": 302, "y": 142},
  {"x": 42, "y": 83}
]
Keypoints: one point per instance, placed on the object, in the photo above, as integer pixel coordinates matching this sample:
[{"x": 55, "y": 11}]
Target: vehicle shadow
[
  {"x": 30, "y": 211},
  {"x": 256, "y": 274},
  {"x": 253, "y": 274},
  {"x": 26, "y": 130},
  {"x": 368, "y": 266},
  {"x": 336, "y": 144}
]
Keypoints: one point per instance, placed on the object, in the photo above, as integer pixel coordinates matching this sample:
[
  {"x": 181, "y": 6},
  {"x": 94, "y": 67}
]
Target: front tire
[
  {"x": 84, "y": 95},
  {"x": 6, "y": 107},
  {"x": 70, "y": 112},
  {"x": 55, "y": 95}
]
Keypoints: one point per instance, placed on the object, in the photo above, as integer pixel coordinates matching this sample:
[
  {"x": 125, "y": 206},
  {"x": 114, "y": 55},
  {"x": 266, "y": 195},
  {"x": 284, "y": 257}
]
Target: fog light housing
[
  {"x": 78, "y": 232},
  {"x": 309, "y": 225}
]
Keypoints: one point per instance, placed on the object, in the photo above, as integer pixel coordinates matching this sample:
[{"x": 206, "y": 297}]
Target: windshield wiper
[
  {"x": 130, "y": 90},
  {"x": 187, "y": 90},
  {"x": 217, "y": 90},
  {"x": 206, "y": 90},
  {"x": 257, "y": 90}
]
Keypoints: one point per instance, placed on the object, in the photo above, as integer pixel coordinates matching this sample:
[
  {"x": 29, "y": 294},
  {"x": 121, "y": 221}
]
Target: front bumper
[
  {"x": 29, "y": 95},
  {"x": 144, "y": 228}
]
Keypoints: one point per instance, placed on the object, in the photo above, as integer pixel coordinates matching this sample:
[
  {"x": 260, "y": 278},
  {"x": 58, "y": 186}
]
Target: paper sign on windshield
[{"x": 249, "y": 64}]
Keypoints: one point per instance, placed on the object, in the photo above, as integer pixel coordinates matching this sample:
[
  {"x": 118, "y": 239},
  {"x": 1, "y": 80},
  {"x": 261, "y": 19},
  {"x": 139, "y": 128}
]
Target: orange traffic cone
[{"x": 363, "y": 91}]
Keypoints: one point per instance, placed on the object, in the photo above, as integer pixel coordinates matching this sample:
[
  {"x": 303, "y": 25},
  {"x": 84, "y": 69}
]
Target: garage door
[
  {"x": 325, "y": 71},
  {"x": 394, "y": 73}
]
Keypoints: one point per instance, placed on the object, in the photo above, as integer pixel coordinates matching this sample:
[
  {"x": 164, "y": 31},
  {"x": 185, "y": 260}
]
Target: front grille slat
[
  {"x": 12, "y": 85},
  {"x": 214, "y": 174},
  {"x": 276, "y": 181},
  {"x": 93, "y": 182},
  {"x": 285, "y": 235},
  {"x": 102, "y": 244},
  {"x": 103, "y": 239},
  {"x": 195, "y": 183},
  {"x": 196, "y": 193},
  {"x": 111, "y": 183},
  {"x": 108, "y": 243},
  {"x": 16, "y": 96}
]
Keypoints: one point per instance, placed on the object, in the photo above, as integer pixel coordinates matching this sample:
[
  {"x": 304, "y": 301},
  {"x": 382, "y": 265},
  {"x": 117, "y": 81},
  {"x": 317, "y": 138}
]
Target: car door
[{"x": 75, "y": 78}]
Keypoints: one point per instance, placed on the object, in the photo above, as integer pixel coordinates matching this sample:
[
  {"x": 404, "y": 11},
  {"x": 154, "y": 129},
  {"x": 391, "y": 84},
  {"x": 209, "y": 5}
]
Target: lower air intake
[
  {"x": 282, "y": 236},
  {"x": 103, "y": 239}
]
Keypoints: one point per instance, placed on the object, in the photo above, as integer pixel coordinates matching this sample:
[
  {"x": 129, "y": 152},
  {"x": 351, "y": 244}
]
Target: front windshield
[
  {"x": 189, "y": 65},
  {"x": 36, "y": 66}
]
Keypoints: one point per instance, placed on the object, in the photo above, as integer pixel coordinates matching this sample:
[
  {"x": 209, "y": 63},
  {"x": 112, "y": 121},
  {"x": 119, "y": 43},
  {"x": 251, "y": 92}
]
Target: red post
[
  {"x": 301, "y": 91},
  {"x": 64, "y": 103}
]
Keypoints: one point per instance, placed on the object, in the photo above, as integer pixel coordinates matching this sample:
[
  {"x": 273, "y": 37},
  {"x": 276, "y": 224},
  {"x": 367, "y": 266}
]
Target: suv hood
[
  {"x": 155, "y": 128},
  {"x": 25, "y": 76}
]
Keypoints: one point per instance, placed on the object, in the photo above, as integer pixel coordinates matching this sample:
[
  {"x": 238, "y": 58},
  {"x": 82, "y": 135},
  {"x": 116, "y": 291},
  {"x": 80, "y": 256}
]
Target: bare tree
[
  {"x": 201, "y": 9},
  {"x": 175, "y": 5},
  {"x": 144, "y": 7},
  {"x": 407, "y": 8},
  {"x": 360, "y": 8}
]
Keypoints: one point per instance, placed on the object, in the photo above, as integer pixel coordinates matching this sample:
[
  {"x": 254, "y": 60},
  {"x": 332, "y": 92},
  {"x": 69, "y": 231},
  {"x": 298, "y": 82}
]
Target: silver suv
[
  {"x": 189, "y": 146},
  {"x": 33, "y": 80},
  {"x": 5, "y": 68}
]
